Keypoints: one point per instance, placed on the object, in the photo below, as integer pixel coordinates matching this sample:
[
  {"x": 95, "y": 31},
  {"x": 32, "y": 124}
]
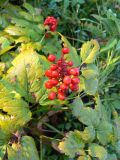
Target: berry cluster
[
  {"x": 62, "y": 75},
  {"x": 51, "y": 22}
]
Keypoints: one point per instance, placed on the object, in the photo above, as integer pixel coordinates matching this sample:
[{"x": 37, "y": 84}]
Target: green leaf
[
  {"x": 6, "y": 49},
  {"x": 104, "y": 132},
  {"x": 15, "y": 111},
  {"x": 26, "y": 150},
  {"x": 72, "y": 144},
  {"x": 29, "y": 8},
  {"x": 89, "y": 51},
  {"x": 52, "y": 46},
  {"x": 66, "y": 4},
  {"x": 88, "y": 135},
  {"x": 76, "y": 106},
  {"x": 117, "y": 148},
  {"x": 27, "y": 74},
  {"x": 91, "y": 71},
  {"x": 97, "y": 151},
  {"x": 112, "y": 157},
  {"x": 4, "y": 42},
  {"x": 111, "y": 43},
  {"x": 73, "y": 53},
  {"x": 88, "y": 116},
  {"x": 91, "y": 86},
  {"x": 21, "y": 22},
  {"x": 2, "y": 151}
]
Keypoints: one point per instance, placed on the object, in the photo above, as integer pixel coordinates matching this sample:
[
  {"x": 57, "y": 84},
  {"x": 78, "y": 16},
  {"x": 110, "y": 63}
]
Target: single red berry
[
  {"x": 59, "y": 90},
  {"x": 52, "y": 58},
  {"x": 67, "y": 80},
  {"x": 55, "y": 74},
  {"x": 74, "y": 87},
  {"x": 68, "y": 71},
  {"x": 74, "y": 71},
  {"x": 54, "y": 82},
  {"x": 53, "y": 67},
  {"x": 70, "y": 63},
  {"x": 48, "y": 73},
  {"x": 48, "y": 85},
  {"x": 59, "y": 62},
  {"x": 65, "y": 50},
  {"x": 75, "y": 80},
  {"x": 63, "y": 87},
  {"x": 59, "y": 69},
  {"x": 53, "y": 28},
  {"x": 61, "y": 96},
  {"x": 52, "y": 95}
]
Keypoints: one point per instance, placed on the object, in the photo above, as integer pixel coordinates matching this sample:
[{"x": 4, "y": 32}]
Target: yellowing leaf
[
  {"x": 85, "y": 157},
  {"x": 97, "y": 151},
  {"x": 16, "y": 111},
  {"x": 26, "y": 150},
  {"x": 15, "y": 31},
  {"x": 27, "y": 74},
  {"x": 88, "y": 135},
  {"x": 91, "y": 71},
  {"x": 72, "y": 144},
  {"x": 89, "y": 51}
]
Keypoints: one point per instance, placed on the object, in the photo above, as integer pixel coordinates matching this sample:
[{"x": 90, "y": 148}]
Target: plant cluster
[
  {"x": 62, "y": 76},
  {"x": 58, "y": 102}
]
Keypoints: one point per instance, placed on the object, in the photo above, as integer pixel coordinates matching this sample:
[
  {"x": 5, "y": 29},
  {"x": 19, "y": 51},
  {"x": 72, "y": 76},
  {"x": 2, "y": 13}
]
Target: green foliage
[{"x": 89, "y": 120}]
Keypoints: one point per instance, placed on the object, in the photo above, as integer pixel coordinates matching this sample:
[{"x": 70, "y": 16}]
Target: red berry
[
  {"x": 65, "y": 50},
  {"x": 59, "y": 62},
  {"x": 52, "y": 58},
  {"x": 51, "y": 22},
  {"x": 63, "y": 87},
  {"x": 52, "y": 95},
  {"x": 61, "y": 96},
  {"x": 53, "y": 28},
  {"x": 75, "y": 80},
  {"x": 54, "y": 82},
  {"x": 74, "y": 71},
  {"x": 48, "y": 73},
  {"x": 68, "y": 71},
  {"x": 53, "y": 67},
  {"x": 59, "y": 90},
  {"x": 74, "y": 87},
  {"x": 55, "y": 74},
  {"x": 67, "y": 80},
  {"x": 48, "y": 85},
  {"x": 59, "y": 69},
  {"x": 70, "y": 63}
]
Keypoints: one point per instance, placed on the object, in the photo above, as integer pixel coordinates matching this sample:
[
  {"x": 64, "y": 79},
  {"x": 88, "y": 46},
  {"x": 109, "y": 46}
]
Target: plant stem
[
  {"x": 53, "y": 128},
  {"x": 40, "y": 147}
]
